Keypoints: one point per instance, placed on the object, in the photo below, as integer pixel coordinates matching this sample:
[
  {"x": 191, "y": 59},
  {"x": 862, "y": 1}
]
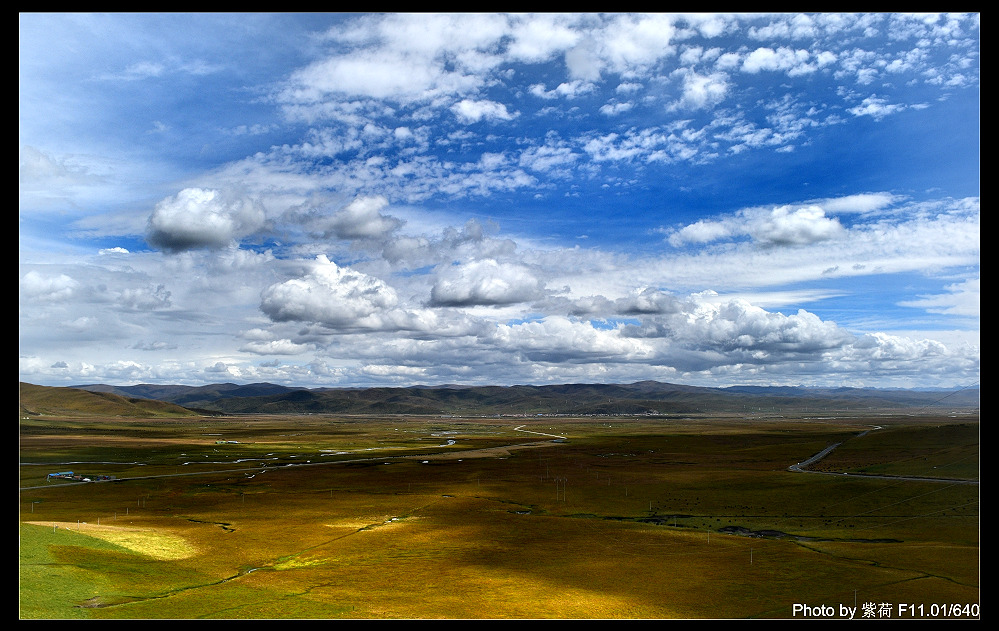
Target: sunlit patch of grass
[{"x": 157, "y": 544}]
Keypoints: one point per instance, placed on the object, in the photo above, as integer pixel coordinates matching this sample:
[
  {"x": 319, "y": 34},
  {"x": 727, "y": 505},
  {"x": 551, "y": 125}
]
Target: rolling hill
[{"x": 57, "y": 401}]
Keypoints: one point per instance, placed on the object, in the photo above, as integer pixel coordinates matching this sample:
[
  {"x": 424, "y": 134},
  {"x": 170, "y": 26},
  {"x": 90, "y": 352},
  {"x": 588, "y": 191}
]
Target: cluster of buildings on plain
[{"x": 78, "y": 477}]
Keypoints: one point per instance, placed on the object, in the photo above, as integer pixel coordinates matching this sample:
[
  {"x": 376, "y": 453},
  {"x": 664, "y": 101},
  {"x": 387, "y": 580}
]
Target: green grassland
[
  {"x": 304, "y": 517},
  {"x": 947, "y": 450}
]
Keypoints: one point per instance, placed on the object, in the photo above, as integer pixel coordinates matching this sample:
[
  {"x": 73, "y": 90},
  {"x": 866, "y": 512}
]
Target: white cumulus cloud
[
  {"x": 485, "y": 282},
  {"x": 203, "y": 218},
  {"x": 362, "y": 219},
  {"x": 471, "y": 111},
  {"x": 334, "y": 296}
]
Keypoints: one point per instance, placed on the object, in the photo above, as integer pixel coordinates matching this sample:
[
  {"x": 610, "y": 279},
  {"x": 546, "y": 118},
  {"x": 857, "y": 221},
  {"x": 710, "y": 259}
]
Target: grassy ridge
[{"x": 49, "y": 401}]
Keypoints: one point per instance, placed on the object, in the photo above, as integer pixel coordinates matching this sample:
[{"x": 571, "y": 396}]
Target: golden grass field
[{"x": 428, "y": 518}]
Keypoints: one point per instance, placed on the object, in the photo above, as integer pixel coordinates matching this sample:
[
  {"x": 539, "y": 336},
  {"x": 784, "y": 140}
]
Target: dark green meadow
[{"x": 299, "y": 517}]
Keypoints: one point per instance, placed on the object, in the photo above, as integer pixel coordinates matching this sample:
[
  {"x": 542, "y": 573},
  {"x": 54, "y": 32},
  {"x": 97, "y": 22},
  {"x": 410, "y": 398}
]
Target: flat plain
[{"x": 410, "y": 517}]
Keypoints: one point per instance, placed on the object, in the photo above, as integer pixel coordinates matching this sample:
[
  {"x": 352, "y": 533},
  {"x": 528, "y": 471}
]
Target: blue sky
[{"x": 396, "y": 199}]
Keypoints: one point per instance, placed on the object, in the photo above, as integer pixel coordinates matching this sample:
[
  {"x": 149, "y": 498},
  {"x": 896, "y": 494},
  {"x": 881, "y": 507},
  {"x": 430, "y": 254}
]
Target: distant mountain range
[{"x": 644, "y": 397}]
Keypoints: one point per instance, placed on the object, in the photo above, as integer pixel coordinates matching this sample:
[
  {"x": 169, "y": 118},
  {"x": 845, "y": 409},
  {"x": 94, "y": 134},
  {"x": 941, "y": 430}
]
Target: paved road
[
  {"x": 517, "y": 429},
  {"x": 799, "y": 467}
]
